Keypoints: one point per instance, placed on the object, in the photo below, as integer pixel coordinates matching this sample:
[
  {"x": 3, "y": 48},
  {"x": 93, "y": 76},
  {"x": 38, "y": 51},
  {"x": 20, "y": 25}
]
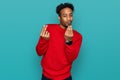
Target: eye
[
  {"x": 64, "y": 15},
  {"x": 71, "y": 15}
]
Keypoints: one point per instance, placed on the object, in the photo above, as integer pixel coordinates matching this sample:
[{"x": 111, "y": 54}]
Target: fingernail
[{"x": 43, "y": 25}]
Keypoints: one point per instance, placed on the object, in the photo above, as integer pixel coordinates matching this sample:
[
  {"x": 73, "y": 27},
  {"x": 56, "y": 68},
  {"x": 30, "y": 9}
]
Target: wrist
[{"x": 68, "y": 42}]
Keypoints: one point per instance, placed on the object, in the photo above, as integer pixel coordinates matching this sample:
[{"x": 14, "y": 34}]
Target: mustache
[{"x": 69, "y": 23}]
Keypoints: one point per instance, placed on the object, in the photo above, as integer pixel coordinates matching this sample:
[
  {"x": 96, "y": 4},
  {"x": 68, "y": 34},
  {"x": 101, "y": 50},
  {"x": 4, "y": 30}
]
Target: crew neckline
[{"x": 61, "y": 27}]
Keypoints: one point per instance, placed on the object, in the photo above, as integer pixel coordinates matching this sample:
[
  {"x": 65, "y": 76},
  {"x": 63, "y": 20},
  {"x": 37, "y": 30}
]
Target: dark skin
[{"x": 65, "y": 18}]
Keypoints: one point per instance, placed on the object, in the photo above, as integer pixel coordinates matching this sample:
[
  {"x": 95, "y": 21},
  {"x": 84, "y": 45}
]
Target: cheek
[
  {"x": 64, "y": 19},
  {"x": 71, "y": 18}
]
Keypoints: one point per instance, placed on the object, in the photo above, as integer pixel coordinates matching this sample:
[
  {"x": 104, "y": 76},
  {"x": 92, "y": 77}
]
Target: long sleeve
[
  {"x": 42, "y": 46},
  {"x": 57, "y": 55},
  {"x": 72, "y": 50}
]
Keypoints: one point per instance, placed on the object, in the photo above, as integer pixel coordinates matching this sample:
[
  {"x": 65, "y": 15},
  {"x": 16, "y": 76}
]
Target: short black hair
[{"x": 62, "y": 6}]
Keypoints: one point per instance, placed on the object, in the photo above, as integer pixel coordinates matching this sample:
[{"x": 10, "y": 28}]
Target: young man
[{"x": 59, "y": 45}]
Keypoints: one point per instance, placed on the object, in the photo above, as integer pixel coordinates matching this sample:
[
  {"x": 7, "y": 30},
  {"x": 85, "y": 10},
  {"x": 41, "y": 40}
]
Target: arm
[
  {"x": 72, "y": 50},
  {"x": 73, "y": 44},
  {"x": 42, "y": 46}
]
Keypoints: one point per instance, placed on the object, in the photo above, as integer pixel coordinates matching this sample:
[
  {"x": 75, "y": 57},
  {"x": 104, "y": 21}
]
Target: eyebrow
[{"x": 69, "y": 13}]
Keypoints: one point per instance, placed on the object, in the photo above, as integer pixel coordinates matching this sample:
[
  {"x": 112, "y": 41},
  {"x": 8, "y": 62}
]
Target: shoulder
[
  {"x": 52, "y": 25},
  {"x": 77, "y": 34}
]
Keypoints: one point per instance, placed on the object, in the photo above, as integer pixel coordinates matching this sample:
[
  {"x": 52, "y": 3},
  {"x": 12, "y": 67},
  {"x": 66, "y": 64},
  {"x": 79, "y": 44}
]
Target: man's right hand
[{"x": 44, "y": 33}]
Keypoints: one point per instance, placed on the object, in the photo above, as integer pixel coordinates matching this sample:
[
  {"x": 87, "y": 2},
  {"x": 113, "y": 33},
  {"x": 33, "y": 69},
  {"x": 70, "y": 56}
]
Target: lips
[{"x": 68, "y": 23}]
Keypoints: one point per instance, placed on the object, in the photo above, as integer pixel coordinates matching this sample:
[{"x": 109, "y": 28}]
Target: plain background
[{"x": 97, "y": 20}]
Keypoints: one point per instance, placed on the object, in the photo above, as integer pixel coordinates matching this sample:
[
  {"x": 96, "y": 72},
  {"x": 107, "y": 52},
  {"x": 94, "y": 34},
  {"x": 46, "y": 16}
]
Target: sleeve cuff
[{"x": 69, "y": 42}]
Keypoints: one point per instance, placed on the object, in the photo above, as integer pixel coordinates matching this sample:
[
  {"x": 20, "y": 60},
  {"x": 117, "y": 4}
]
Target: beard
[{"x": 67, "y": 24}]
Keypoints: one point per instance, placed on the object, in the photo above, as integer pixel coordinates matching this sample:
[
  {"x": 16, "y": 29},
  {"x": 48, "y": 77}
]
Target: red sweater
[{"x": 57, "y": 55}]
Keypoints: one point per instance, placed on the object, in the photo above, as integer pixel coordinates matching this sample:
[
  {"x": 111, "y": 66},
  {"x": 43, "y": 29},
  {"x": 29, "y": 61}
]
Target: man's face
[{"x": 65, "y": 17}]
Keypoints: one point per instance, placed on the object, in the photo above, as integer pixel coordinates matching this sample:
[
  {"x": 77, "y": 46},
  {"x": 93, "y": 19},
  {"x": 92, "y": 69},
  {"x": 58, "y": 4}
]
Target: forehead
[{"x": 66, "y": 11}]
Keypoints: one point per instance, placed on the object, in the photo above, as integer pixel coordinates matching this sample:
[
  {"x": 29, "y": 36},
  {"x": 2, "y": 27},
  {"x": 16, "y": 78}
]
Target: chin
[{"x": 65, "y": 26}]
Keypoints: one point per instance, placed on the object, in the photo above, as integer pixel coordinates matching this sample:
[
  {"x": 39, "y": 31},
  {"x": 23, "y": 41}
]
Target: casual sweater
[{"x": 57, "y": 55}]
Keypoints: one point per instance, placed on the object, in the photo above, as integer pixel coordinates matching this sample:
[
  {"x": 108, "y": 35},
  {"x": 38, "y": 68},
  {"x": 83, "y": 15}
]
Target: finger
[
  {"x": 68, "y": 30},
  {"x": 44, "y": 29},
  {"x": 47, "y": 35},
  {"x": 67, "y": 33},
  {"x": 70, "y": 27}
]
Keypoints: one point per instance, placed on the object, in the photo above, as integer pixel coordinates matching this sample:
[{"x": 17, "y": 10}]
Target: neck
[{"x": 63, "y": 27}]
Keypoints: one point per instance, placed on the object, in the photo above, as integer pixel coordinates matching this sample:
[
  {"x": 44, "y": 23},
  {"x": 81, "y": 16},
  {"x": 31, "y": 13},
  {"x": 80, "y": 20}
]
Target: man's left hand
[{"x": 69, "y": 33}]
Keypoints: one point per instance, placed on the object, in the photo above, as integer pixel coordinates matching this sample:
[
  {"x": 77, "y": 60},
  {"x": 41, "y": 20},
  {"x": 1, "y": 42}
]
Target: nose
[{"x": 68, "y": 18}]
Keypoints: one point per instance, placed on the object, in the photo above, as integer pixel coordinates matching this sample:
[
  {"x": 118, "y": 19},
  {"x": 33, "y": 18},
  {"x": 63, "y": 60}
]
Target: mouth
[{"x": 68, "y": 23}]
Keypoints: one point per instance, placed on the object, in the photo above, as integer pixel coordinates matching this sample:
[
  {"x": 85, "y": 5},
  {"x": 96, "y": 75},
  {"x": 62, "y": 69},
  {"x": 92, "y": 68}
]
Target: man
[{"x": 59, "y": 45}]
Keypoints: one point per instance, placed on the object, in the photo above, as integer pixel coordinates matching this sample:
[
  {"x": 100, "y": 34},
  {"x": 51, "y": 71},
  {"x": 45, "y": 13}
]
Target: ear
[{"x": 59, "y": 17}]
